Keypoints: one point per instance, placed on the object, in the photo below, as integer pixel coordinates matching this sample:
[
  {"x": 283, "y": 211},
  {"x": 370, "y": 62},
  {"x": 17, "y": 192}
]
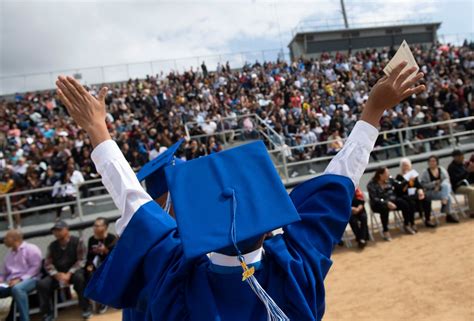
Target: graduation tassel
[
  {"x": 274, "y": 313},
  {"x": 168, "y": 203}
]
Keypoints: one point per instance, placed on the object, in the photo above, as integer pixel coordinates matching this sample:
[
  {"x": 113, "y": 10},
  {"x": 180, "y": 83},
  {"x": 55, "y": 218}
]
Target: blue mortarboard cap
[
  {"x": 205, "y": 191},
  {"x": 153, "y": 172}
]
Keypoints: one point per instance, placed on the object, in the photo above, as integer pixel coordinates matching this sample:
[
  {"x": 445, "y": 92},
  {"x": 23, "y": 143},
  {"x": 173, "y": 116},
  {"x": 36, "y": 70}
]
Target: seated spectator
[
  {"x": 301, "y": 154},
  {"x": 461, "y": 176},
  {"x": 213, "y": 146},
  {"x": 299, "y": 151},
  {"x": 64, "y": 265},
  {"x": 20, "y": 271},
  {"x": 7, "y": 184},
  {"x": 337, "y": 144},
  {"x": 358, "y": 219},
  {"x": 98, "y": 247},
  {"x": 435, "y": 181},
  {"x": 63, "y": 192},
  {"x": 21, "y": 167},
  {"x": 383, "y": 199},
  {"x": 471, "y": 175},
  {"x": 66, "y": 189},
  {"x": 412, "y": 191},
  {"x": 194, "y": 150},
  {"x": 249, "y": 131}
]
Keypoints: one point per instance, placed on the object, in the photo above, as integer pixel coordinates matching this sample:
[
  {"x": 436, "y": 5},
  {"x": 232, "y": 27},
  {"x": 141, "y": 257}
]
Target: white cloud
[{"x": 43, "y": 35}]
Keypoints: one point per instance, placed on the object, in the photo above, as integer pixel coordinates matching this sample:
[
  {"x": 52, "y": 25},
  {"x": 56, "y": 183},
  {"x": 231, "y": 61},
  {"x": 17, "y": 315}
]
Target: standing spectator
[
  {"x": 358, "y": 219},
  {"x": 462, "y": 178},
  {"x": 383, "y": 199},
  {"x": 99, "y": 246},
  {"x": 64, "y": 265},
  {"x": 20, "y": 271},
  {"x": 435, "y": 181},
  {"x": 412, "y": 191}
]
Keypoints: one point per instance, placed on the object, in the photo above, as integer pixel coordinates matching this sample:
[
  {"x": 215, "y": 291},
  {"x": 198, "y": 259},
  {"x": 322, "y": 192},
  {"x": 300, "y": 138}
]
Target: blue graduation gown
[{"x": 147, "y": 275}]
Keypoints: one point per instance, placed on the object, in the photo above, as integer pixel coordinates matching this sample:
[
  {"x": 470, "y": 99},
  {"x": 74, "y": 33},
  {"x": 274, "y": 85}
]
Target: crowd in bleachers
[{"x": 306, "y": 101}]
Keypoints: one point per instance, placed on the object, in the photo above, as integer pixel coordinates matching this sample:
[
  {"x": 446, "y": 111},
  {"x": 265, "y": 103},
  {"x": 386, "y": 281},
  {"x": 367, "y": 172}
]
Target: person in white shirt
[{"x": 66, "y": 189}]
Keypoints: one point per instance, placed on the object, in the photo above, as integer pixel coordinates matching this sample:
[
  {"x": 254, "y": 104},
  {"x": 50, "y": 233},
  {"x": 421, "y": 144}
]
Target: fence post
[
  {"x": 402, "y": 144},
  {"x": 24, "y": 84},
  {"x": 51, "y": 80},
  {"x": 224, "y": 132},
  {"x": 151, "y": 68},
  {"x": 79, "y": 205},
  {"x": 9, "y": 211},
  {"x": 285, "y": 167},
  {"x": 451, "y": 134},
  {"x": 102, "y": 71},
  {"x": 128, "y": 71}
]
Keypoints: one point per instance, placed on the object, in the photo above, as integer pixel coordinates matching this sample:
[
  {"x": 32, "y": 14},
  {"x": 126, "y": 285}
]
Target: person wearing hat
[
  {"x": 64, "y": 265},
  {"x": 214, "y": 262},
  {"x": 460, "y": 175}
]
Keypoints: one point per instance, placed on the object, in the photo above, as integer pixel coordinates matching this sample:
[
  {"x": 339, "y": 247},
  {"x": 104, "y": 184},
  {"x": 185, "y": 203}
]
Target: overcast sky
[{"x": 40, "y": 35}]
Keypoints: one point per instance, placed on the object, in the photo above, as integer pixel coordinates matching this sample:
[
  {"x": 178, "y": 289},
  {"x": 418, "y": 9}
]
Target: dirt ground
[{"x": 428, "y": 276}]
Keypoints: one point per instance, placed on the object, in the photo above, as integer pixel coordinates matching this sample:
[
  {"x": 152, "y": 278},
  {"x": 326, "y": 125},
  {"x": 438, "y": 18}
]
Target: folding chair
[
  {"x": 62, "y": 302},
  {"x": 16, "y": 314},
  {"x": 348, "y": 237},
  {"x": 461, "y": 209}
]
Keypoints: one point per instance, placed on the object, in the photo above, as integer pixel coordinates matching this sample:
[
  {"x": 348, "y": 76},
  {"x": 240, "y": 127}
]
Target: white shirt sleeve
[
  {"x": 120, "y": 181},
  {"x": 352, "y": 160}
]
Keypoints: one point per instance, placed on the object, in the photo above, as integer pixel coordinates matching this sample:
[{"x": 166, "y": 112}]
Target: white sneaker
[
  {"x": 90, "y": 203},
  {"x": 64, "y": 208},
  {"x": 294, "y": 174},
  {"x": 387, "y": 237},
  {"x": 312, "y": 171}
]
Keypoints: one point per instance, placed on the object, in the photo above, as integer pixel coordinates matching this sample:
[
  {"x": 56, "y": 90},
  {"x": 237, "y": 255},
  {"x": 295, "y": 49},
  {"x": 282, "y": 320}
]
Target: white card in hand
[{"x": 403, "y": 54}]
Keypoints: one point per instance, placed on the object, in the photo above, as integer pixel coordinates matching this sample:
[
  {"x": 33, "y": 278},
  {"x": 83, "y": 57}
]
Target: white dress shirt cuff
[
  {"x": 352, "y": 160},
  {"x": 120, "y": 181}
]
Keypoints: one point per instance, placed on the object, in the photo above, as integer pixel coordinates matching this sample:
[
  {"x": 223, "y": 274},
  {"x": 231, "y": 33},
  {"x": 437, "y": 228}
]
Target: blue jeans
[
  {"x": 442, "y": 194},
  {"x": 20, "y": 295}
]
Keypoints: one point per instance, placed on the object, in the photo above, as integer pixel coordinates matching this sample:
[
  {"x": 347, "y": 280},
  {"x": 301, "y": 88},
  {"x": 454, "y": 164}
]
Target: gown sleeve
[
  {"x": 324, "y": 202},
  {"x": 148, "y": 247},
  {"x": 324, "y": 205}
]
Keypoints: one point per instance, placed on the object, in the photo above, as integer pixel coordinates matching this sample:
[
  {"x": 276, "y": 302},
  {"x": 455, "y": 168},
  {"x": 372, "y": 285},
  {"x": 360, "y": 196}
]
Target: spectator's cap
[
  {"x": 59, "y": 225},
  {"x": 228, "y": 197},
  {"x": 457, "y": 152},
  {"x": 153, "y": 171}
]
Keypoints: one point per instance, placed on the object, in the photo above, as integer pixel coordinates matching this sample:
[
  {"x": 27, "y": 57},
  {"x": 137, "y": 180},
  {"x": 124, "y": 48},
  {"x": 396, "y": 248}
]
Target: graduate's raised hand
[
  {"x": 86, "y": 110},
  {"x": 390, "y": 91}
]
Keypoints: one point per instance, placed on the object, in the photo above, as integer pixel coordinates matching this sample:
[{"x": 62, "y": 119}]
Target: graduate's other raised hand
[
  {"x": 390, "y": 91},
  {"x": 86, "y": 110}
]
